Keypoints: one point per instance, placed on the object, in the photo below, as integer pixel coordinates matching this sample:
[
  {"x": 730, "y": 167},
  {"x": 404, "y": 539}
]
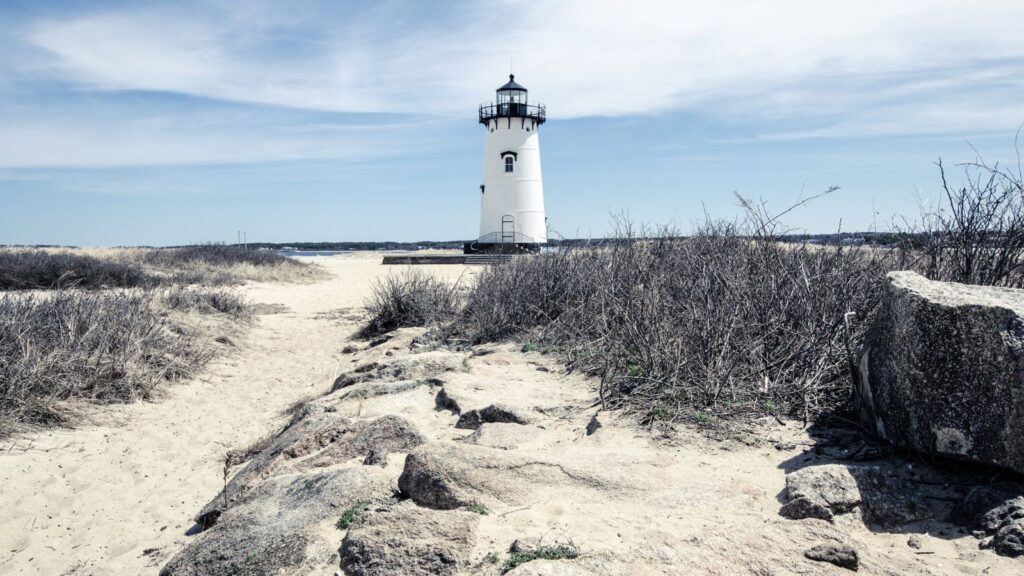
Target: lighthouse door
[{"x": 508, "y": 229}]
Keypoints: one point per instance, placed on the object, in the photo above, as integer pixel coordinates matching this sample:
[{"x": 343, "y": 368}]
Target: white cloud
[
  {"x": 586, "y": 57},
  {"x": 820, "y": 69}
]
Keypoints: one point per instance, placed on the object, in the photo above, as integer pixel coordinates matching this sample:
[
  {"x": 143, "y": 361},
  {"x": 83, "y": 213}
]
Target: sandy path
[{"x": 117, "y": 497}]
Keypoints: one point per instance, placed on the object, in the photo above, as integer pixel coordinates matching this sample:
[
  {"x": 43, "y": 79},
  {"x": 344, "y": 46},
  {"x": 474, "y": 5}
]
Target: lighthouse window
[{"x": 509, "y": 164}]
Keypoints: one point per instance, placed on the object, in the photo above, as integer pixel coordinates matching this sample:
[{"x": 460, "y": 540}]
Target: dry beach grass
[{"x": 103, "y": 326}]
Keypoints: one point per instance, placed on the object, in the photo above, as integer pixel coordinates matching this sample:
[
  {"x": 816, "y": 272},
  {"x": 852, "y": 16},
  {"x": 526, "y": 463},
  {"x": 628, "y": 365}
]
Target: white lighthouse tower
[{"x": 512, "y": 195}]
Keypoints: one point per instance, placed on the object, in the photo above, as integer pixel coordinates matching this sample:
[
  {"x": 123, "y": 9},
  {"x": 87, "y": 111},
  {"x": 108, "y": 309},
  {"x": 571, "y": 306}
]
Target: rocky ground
[{"x": 426, "y": 460}]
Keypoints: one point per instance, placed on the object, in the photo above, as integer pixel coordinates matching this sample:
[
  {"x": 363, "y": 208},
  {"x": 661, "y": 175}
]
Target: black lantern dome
[{"x": 512, "y": 103}]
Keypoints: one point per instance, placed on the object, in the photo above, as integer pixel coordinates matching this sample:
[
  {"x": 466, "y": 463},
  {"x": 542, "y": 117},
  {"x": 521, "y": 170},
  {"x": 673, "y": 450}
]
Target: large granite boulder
[{"x": 942, "y": 370}]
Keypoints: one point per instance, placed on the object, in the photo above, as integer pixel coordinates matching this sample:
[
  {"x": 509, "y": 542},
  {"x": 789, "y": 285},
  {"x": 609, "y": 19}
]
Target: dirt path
[{"x": 116, "y": 497}]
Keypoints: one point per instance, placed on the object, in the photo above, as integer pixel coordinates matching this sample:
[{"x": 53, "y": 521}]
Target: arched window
[{"x": 510, "y": 164}]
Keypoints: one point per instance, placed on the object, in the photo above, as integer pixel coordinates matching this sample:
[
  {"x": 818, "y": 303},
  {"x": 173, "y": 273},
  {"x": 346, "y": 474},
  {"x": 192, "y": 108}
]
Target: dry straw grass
[
  {"x": 104, "y": 326},
  {"x": 729, "y": 320},
  {"x": 91, "y": 268}
]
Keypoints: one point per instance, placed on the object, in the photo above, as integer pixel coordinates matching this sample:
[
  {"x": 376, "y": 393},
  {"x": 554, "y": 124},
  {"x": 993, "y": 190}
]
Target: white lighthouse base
[{"x": 496, "y": 243}]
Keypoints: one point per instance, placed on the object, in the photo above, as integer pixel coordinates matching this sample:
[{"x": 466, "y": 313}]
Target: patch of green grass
[
  {"x": 560, "y": 552},
  {"x": 543, "y": 349},
  {"x": 479, "y": 509},
  {"x": 658, "y": 413},
  {"x": 465, "y": 366},
  {"x": 491, "y": 558},
  {"x": 702, "y": 418},
  {"x": 634, "y": 371},
  {"x": 349, "y": 516},
  {"x": 771, "y": 407}
]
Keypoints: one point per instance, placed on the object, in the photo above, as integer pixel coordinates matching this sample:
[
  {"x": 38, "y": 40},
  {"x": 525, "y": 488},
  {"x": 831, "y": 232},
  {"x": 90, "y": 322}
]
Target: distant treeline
[{"x": 870, "y": 238}]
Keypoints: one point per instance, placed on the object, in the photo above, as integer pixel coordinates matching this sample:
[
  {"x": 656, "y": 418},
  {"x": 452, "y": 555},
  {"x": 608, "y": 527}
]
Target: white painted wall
[{"x": 519, "y": 194}]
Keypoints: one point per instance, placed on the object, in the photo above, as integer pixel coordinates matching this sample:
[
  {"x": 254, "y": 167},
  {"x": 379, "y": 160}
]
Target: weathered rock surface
[
  {"x": 274, "y": 530},
  {"x": 828, "y": 490},
  {"x": 446, "y": 401},
  {"x": 943, "y": 370},
  {"x": 837, "y": 554},
  {"x": 494, "y": 413},
  {"x": 447, "y": 476},
  {"x": 318, "y": 440},
  {"x": 502, "y": 435},
  {"x": 412, "y": 367},
  {"x": 820, "y": 492},
  {"x": 988, "y": 511},
  {"x": 409, "y": 540}
]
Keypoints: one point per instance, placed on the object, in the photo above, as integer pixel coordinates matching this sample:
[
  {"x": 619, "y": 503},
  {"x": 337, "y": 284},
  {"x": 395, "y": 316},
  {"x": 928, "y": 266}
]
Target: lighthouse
[{"x": 512, "y": 195}]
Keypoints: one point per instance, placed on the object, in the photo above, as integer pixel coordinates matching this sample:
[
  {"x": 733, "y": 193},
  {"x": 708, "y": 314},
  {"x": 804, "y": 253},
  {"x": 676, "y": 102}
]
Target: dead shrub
[
  {"x": 976, "y": 233},
  {"x": 42, "y": 269},
  {"x": 414, "y": 298},
  {"x": 728, "y": 319}
]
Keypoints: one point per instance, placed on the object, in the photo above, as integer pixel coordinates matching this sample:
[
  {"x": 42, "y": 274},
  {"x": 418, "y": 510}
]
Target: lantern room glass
[{"x": 511, "y": 96}]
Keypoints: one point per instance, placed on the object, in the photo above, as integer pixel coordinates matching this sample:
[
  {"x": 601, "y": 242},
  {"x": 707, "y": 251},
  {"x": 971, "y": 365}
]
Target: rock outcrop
[
  {"x": 315, "y": 441},
  {"x": 942, "y": 371},
  {"x": 275, "y": 530},
  {"x": 409, "y": 540},
  {"x": 447, "y": 476}
]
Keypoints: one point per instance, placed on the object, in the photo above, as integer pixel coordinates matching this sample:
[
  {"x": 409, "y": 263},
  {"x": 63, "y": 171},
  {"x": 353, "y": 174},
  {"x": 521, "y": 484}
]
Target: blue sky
[{"x": 164, "y": 123}]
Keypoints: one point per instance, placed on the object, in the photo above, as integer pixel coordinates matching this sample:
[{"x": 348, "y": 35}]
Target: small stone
[
  {"x": 443, "y": 401},
  {"x": 594, "y": 425},
  {"x": 836, "y": 554},
  {"x": 494, "y": 413},
  {"x": 350, "y": 349},
  {"x": 376, "y": 457},
  {"x": 366, "y": 368},
  {"x": 914, "y": 542}
]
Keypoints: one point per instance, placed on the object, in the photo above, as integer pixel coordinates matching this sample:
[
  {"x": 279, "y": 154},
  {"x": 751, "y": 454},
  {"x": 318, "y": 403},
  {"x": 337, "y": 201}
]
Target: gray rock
[
  {"x": 820, "y": 492},
  {"x": 914, "y": 541},
  {"x": 494, "y": 413},
  {"x": 274, "y": 530},
  {"x": 376, "y": 457},
  {"x": 445, "y": 401},
  {"x": 411, "y": 541},
  {"x": 315, "y": 442},
  {"x": 1009, "y": 540},
  {"x": 978, "y": 501},
  {"x": 1004, "y": 524},
  {"x": 832, "y": 489},
  {"x": 594, "y": 424},
  {"x": 837, "y": 554},
  {"x": 942, "y": 370},
  {"x": 447, "y": 476}
]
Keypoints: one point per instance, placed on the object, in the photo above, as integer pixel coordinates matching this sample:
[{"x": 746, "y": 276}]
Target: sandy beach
[{"x": 117, "y": 496}]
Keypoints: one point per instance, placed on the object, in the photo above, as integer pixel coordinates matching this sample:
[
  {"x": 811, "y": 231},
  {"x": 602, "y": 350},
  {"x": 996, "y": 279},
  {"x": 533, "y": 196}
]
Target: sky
[{"x": 149, "y": 123}]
